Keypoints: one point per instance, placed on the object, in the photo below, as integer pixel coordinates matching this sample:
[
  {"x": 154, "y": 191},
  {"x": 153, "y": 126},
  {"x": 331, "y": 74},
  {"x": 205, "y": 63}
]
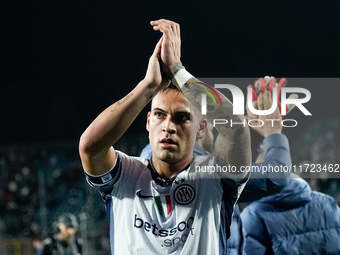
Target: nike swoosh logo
[{"x": 138, "y": 193}]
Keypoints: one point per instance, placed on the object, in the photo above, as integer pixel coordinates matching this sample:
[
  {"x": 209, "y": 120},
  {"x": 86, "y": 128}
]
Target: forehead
[
  {"x": 62, "y": 225},
  {"x": 171, "y": 101}
]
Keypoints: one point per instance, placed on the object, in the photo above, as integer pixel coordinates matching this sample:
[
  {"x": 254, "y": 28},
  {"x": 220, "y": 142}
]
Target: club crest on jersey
[
  {"x": 184, "y": 194},
  {"x": 164, "y": 205}
]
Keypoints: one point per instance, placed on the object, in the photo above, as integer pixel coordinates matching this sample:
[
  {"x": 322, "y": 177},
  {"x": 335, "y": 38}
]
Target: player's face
[{"x": 169, "y": 124}]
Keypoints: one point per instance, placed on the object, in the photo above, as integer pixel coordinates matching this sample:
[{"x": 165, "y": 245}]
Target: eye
[
  {"x": 159, "y": 114},
  {"x": 183, "y": 117}
]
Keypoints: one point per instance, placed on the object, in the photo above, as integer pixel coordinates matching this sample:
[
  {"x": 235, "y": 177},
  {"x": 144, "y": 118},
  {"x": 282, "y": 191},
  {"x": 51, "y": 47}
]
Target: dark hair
[
  {"x": 69, "y": 220},
  {"x": 172, "y": 86}
]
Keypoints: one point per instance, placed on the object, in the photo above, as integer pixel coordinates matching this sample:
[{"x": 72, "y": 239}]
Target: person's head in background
[
  {"x": 207, "y": 140},
  {"x": 66, "y": 227}
]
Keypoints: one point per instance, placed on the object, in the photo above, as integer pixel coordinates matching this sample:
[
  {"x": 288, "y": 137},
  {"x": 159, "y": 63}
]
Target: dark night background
[{"x": 64, "y": 62}]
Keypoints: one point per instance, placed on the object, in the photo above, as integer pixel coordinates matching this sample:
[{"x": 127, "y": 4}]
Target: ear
[
  {"x": 148, "y": 121},
  {"x": 202, "y": 128}
]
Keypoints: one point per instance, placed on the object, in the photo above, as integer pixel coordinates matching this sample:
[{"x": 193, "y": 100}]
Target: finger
[
  {"x": 155, "y": 24},
  {"x": 266, "y": 100},
  {"x": 292, "y": 106},
  {"x": 173, "y": 28},
  {"x": 165, "y": 25},
  {"x": 254, "y": 95},
  {"x": 158, "y": 47},
  {"x": 177, "y": 29},
  {"x": 257, "y": 87},
  {"x": 159, "y": 22},
  {"x": 281, "y": 84},
  {"x": 263, "y": 84},
  {"x": 270, "y": 100},
  {"x": 260, "y": 101},
  {"x": 158, "y": 25},
  {"x": 271, "y": 84},
  {"x": 165, "y": 21},
  {"x": 267, "y": 79}
]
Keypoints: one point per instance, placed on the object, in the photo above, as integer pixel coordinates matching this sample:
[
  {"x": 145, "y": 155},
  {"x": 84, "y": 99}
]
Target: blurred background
[{"x": 64, "y": 62}]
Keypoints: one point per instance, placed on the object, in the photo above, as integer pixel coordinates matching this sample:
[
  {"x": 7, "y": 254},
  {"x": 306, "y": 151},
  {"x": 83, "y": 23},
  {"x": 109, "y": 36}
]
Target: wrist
[
  {"x": 150, "y": 87},
  {"x": 175, "y": 68},
  {"x": 181, "y": 76},
  {"x": 271, "y": 133}
]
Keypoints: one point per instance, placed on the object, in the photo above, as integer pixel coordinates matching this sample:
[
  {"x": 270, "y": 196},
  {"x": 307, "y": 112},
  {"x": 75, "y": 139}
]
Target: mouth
[{"x": 168, "y": 143}]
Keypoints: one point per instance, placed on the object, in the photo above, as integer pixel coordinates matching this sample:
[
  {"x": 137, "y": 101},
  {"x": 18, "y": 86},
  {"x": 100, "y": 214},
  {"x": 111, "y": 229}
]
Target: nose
[{"x": 169, "y": 126}]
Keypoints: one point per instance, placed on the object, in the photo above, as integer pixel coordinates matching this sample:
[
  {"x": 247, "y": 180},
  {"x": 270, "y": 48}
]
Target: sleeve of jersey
[{"x": 105, "y": 181}]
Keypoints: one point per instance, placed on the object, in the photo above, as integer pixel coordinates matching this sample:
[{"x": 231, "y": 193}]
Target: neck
[{"x": 167, "y": 171}]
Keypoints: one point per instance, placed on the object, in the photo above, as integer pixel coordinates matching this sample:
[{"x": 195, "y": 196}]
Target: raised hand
[
  {"x": 171, "y": 45},
  {"x": 154, "y": 76},
  {"x": 268, "y": 83},
  {"x": 265, "y": 125}
]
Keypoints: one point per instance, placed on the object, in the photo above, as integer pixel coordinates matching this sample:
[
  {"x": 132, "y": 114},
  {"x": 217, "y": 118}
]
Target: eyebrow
[
  {"x": 158, "y": 109},
  {"x": 176, "y": 113}
]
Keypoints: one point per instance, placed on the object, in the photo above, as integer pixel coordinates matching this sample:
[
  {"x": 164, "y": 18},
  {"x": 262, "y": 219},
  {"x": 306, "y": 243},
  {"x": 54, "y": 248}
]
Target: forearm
[
  {"x": 109, "y": 126},
  {"x": 276, "y": 154},
  {"x": 232, "y": 146},
  {"x": 277, "y": 162},
  {"x": 276, "y": 148},
  {"x": 269, "y": 176}
]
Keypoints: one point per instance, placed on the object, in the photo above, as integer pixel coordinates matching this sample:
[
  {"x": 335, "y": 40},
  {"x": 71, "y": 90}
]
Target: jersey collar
[{"x": 157, "y": 178}]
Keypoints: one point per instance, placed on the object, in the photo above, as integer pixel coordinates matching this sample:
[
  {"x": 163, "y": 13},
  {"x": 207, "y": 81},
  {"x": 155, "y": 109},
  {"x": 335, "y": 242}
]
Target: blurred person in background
[
  {"x": 64, "y": 241},
  {"x": 290, "y": 218},
  {"x": 36, "y": 243},
  {"x": 296, "y": 220}
]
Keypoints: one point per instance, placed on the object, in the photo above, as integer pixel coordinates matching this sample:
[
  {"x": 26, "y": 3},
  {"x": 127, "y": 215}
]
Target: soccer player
[
  {"x": 171, "y": 204},
  {"x": 275, "y": 153}
]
